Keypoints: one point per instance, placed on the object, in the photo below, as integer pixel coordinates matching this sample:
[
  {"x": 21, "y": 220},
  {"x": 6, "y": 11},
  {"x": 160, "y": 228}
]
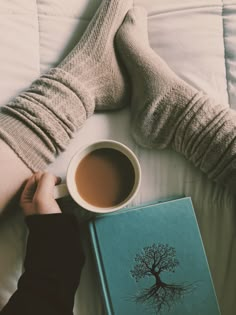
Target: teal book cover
[{"x": 151, "y": 260}]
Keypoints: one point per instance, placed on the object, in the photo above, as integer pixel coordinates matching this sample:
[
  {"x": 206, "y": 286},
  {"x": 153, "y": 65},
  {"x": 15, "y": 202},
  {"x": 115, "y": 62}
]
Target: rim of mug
[{"x": 84, "y": 151}]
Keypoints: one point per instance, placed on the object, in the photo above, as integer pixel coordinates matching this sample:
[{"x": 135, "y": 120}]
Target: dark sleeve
[{"x": 53, "y": 264}]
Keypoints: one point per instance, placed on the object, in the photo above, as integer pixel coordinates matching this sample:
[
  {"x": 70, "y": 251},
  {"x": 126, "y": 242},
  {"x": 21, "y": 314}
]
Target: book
[{"x": 151, "y": 260}]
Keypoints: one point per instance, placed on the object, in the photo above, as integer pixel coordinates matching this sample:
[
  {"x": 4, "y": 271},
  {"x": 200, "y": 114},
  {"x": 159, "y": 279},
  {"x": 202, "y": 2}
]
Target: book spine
[{"x": 101, "y": 271}]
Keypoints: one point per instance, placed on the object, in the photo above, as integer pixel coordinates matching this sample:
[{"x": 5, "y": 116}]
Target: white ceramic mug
[{"x": 70, "y": 187}]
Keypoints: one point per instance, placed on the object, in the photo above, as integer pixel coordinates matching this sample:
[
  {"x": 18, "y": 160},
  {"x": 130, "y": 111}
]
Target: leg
[
  {"x": 13, "y": 174},
  {"x": 39, "y": 123},
  {"x": 167, "y": 112}
]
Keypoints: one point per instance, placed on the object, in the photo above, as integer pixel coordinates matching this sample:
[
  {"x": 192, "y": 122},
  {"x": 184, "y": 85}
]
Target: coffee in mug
[
  {"x": 105, "y": 177},
  {"x": 102, "y": 177}
]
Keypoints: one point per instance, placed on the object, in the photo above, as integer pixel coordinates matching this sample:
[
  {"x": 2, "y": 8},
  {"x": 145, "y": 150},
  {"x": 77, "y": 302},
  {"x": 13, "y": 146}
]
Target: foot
[
  {"x": 159, "y": 95},
  {"x": 94, "y": 60},
  {"x": 166, "y": 111}
]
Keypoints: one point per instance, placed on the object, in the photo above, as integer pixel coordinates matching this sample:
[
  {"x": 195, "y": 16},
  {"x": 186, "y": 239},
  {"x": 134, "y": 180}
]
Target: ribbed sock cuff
[
  {"x": 27, "y": 144},
  {"x": 39, "y": 123}
]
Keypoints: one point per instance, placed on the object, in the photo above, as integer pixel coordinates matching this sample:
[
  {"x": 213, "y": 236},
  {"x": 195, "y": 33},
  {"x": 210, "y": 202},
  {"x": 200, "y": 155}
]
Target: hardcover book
[{"x": 151, "y": 260}]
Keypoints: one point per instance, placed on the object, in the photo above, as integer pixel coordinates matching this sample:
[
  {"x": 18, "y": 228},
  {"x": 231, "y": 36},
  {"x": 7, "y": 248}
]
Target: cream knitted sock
[
  {"x": 167, "y": 112},
  {"x": 39, "y": 123},
  {"x": 94, "y": 60}
]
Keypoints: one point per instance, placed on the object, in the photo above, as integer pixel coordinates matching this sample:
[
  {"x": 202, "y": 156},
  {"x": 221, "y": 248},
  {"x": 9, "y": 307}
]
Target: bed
[{"x": 198, "y": 40}]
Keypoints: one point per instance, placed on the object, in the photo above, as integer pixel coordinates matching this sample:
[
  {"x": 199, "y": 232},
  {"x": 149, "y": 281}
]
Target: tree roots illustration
[{"x": 153, "y": 261}]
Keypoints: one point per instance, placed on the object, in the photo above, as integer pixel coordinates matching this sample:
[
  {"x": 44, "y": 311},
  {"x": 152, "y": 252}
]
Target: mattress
[{"x": 198, "y": 40}]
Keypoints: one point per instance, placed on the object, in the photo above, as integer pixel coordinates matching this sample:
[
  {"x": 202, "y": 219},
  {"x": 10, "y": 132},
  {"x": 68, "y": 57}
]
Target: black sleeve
[{"x": 53, "y": 264}]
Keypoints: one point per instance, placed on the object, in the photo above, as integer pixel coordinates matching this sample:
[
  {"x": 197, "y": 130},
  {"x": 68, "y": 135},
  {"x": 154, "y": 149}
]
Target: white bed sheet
[{"x": 197, "y": 38}]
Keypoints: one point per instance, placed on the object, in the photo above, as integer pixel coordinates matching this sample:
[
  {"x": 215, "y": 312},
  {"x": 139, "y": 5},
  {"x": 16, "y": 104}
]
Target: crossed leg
[
  {"x": 38, "y": 124},
  {"x": 13, "y": 174}
]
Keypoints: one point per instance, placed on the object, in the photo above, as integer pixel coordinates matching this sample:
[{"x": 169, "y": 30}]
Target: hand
[{"x": 37, "y": 196}]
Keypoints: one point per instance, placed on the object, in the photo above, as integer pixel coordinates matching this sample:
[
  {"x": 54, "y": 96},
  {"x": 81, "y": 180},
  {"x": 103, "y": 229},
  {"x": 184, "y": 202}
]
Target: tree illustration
[{"x": 152, "y": 262}]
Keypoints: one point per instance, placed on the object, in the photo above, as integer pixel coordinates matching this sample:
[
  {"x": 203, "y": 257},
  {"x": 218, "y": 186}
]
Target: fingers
[
  {"x": 40, "y": 185},
  {"x": 45, "y": 185},
  {"x": 29, "y": 189},
  {"x": 38, "y": 195}
]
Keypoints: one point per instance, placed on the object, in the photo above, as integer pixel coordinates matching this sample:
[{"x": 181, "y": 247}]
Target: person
[
  {"x": 166, "y": 112},
  {"x": 54, "y": 256},
  {"x": 34, "y": 128},
  {"x": 38, "y": 124}
]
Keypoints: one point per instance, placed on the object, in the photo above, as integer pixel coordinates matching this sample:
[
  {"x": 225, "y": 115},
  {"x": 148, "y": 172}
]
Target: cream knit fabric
[
  {"x": 167, "y": 112},
  {"x": 39, "y": 123}
]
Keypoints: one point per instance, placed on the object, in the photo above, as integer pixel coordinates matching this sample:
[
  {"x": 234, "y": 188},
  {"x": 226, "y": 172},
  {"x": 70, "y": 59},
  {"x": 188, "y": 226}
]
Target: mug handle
[{"x": 60, "y": 191}]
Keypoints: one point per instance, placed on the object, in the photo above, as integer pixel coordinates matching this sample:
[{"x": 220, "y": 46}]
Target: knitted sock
[
  {"x": 94, "y": 59},
  {"x": 167, "y": 112},
  {"x": 39, "y": 123}
]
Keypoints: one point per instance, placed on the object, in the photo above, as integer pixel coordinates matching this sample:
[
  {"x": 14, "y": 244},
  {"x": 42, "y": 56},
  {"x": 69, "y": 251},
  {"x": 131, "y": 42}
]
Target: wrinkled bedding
[{"x": 198, "y": 40}]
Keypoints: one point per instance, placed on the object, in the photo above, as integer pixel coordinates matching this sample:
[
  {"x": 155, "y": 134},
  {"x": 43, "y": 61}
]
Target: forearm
[{"x": 53, "y": 264}]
